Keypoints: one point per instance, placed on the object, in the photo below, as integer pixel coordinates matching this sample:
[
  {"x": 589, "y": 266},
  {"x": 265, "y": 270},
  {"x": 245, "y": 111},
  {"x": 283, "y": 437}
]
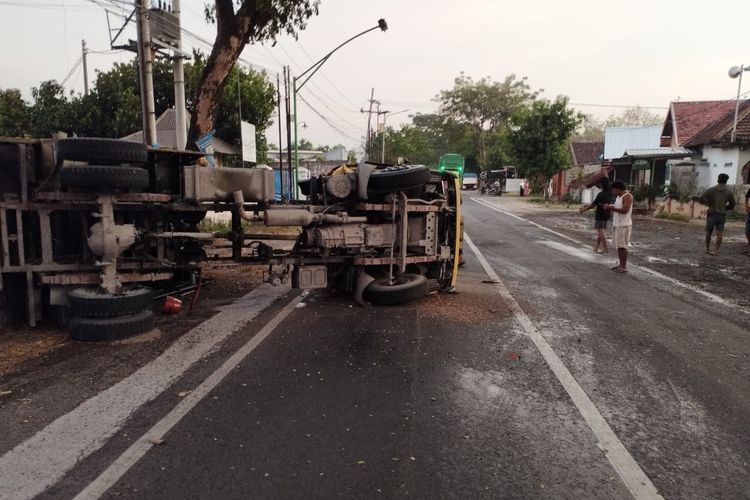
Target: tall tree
[
  {"x": 252, "y": 21},
  {"x": 539, "y": 137},
  {"x": 485, "y": 106},
  {"x": 634, "y": 117},
  {"x": 14, "y": 113}
]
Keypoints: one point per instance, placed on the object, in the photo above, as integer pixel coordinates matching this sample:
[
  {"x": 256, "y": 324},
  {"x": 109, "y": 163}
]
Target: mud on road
[{"x": 676, "y": 249}]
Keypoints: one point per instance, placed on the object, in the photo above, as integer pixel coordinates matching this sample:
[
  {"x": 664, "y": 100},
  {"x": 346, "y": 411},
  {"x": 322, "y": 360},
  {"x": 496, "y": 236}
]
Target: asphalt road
[{"x": 453, "y": 396}]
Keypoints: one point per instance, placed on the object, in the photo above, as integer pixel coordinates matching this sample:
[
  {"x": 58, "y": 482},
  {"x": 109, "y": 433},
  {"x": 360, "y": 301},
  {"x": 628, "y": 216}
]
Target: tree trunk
[
  {"x": 225, "y": 53},
  {"x": 232, "y": 34}
]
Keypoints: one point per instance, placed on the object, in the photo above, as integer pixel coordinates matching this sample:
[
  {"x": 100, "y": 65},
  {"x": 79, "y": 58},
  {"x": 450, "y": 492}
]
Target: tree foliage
[
  {"x": 485, "y": 106},
  {"x": 113, "y": 106},
  {"x": 15, "y": 116},
  {"x": 252, "y": 21},
  {"x": 539, "y": 136},
  {"x": 592, "y": 129}
]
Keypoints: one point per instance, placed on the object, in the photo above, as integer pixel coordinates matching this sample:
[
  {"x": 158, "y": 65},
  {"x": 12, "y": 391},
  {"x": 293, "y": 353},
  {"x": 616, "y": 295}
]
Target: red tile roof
[
  {"x": 586, "y": 153},
  {"x": 691, "y": 117},
  {"x": 720, "y": 131}
]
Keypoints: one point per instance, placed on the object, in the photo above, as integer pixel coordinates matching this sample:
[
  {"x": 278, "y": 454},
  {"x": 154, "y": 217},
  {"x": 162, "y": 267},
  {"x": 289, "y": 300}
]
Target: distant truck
[
  {"x": 470, "y": 181},
  {"x": 452, "y": 162}
]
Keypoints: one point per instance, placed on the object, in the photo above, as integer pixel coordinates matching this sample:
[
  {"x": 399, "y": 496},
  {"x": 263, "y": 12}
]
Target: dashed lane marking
[
  {"x": 46, "y": 457},
  {"x": 631, "y": 474},
  {"x": 156, "y": 434}
]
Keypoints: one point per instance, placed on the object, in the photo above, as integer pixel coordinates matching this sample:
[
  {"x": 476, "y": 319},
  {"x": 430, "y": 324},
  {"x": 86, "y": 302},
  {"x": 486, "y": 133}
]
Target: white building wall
[{"x": 725, "y": 161}]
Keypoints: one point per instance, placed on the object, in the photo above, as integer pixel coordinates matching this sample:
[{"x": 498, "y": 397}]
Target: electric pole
[
  {"x": 84, "y": 52},
  {"x": 287, "y": 83},
  {"x": 146, "y": 72},
  {"x": 281, "y": 147},
  {"x": 180, "y": 115},
  {"x": 368, "y": 142}
]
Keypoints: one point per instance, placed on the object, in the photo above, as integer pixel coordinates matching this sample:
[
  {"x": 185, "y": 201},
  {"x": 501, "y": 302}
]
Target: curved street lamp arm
[{"x": 315, "y": 67}]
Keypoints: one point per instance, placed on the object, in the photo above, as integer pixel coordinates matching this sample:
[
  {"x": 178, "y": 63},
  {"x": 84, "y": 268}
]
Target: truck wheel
[
  {"x": 104, "y": 151},
  {"x": 96, "y": 303},
  {"x": 109, "y": 329},
  {"x": 398, "y": 178},
  {"x": 104, "y": 176},
  {"x": 406, "y": 287}
]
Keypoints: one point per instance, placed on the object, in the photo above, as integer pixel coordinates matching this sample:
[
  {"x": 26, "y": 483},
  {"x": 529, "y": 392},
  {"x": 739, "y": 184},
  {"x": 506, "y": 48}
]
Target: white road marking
[
  {"x": 509, "y": 214},
  {"x": 579, "y": 253},
  {"x": 137, "y": 450},
  {"x": 656, "y": 274},
  {"x": 636, "y": 481},
  {"x": 39, "y": 462}
]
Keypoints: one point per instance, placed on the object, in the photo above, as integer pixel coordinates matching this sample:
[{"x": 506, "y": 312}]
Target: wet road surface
[{"x": 449, "y": 397}]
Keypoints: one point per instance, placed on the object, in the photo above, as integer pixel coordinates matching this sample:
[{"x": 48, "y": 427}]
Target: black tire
[
  {"x": 96, "y": 303},
  {"x": 104, "y": 151},
  {"x": 407, "y": 287},
  {"x": 104, "y": 176},
  {"x": 398, "y": 178},
  {"x": 109, "y": 329}
]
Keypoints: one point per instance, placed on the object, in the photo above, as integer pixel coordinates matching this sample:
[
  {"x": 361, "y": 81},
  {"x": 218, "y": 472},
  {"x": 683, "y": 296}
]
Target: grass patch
[
  {"x": 672, "y": 217},
  {"x": 208, "y": 225}
]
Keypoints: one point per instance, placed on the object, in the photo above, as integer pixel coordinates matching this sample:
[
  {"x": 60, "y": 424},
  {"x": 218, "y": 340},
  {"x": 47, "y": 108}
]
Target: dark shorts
[
  {"x": 747, "y": 225},
  {"x": 715, "y": 221},
  {"x": 600, "y": 224}
]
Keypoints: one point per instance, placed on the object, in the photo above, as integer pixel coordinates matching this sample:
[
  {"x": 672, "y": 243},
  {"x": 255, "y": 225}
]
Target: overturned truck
[{"x": 88, "y": 228}]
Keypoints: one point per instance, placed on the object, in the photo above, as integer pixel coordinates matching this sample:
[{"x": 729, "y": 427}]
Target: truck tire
[
  {"x": 96, "y": 303},
  {"x": 109, "y": 329},
  {"x": 103, "y": 151},
  {"x": 104, "y": 176},
  {"x": 397, "y": 178},
  {"x": 407, "y": 287}
]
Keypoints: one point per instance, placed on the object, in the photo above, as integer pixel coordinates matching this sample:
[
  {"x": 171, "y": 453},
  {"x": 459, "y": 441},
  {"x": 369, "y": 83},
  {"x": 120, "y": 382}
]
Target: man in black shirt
[{"x": 601, "y": 216}]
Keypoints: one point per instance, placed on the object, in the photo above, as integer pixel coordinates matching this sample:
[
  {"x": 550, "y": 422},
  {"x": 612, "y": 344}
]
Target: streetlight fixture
[
  {"x": 382, "y": 25},
  {"x": 385, "y": 115},
  {"x": 736, "y": 72}
]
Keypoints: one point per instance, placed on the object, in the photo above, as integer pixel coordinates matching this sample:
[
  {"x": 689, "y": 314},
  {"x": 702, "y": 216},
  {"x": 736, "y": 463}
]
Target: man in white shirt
[{"x": 622, "y": 223}]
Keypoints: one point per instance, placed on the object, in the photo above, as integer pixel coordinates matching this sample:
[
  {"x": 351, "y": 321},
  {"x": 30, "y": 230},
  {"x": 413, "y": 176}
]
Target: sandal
[{"x": 621, "y": 270}]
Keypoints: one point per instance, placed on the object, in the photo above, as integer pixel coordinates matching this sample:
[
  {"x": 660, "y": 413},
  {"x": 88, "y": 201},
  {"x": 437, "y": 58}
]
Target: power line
[{"x": 328, "y": 122}]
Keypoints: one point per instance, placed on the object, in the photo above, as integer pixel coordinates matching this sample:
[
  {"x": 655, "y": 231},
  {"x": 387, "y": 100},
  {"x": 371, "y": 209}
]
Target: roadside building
[
  {"x": 586, "y": 158},
  {"x": 705, "y": 128},
  {"x": 166, "y": 137}
]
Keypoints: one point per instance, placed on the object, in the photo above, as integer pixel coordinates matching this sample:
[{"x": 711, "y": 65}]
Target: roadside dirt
[
  {"x": 676, "y": 249},
  {"x": 23, "y": 349}
]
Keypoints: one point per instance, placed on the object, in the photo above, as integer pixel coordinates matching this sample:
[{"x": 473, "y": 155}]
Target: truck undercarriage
[{"x": 86, "y": 223}]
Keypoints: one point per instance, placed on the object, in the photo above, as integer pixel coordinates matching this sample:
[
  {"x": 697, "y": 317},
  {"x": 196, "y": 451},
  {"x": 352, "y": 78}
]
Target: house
[
  {"x": 166, "y": 136},
  {"x": 338, "y": 153},
  {"x": 586, "y": 158},
  {"x": 718, "y": 154},
  {"x": 705, "y": 128}
]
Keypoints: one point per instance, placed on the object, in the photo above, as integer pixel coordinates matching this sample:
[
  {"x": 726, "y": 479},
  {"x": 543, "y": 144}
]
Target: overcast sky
[{"x": 604, "y": 52}]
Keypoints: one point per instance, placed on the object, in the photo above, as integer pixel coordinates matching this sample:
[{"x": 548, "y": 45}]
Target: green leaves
[{"x": 539, "y": 136}]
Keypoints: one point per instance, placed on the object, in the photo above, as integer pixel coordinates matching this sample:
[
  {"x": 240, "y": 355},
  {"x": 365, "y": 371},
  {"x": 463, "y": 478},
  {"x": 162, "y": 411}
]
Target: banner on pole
[
  {"x": 249, "y": 152},
  {"x": 206, "y": 146}
]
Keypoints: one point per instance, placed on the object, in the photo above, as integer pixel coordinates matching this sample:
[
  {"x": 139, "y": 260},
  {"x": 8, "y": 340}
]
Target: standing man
[
  {"x": 601, "y": 215},
  {"x": 719, "y": 200},
  {"x": 622, "y": 223}
]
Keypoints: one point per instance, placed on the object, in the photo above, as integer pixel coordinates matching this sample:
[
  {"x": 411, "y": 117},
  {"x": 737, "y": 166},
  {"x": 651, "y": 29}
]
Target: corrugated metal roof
[
  {"x": 617, "y": 140},
  {"x": 658, "y": 153}
]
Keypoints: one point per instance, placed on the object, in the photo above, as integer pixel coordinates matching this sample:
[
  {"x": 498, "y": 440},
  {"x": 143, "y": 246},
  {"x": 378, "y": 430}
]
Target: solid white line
[
  {"x": 525, "y": 220},
  {"x": 647, "y": 270},
  {"x": 636, "y": 481},
  {"x": 137, "y": 450},
  {"x": 39, "y": 462}
]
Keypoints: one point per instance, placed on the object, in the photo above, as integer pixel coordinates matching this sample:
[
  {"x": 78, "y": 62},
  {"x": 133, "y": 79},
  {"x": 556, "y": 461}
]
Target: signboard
[
  {"x": 206, "y": 146},
  {"x": 641, "y": 165},
  {"x": 247, "y": 131}
]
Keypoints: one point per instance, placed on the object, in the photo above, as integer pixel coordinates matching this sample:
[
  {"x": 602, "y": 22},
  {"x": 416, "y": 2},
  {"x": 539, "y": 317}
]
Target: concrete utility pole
[
  {"x": 84, "y": 52},
  {"x": 368, "y": 142},
  {"x": 146, "y": 70},
  {"x": 180, "y": 115}
]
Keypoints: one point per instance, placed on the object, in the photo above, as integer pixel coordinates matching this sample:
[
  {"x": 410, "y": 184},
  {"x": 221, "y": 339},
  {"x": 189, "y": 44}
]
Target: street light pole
[
  {"x": 382, "y": 25},
  {"x": 736, "y": 72}
]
